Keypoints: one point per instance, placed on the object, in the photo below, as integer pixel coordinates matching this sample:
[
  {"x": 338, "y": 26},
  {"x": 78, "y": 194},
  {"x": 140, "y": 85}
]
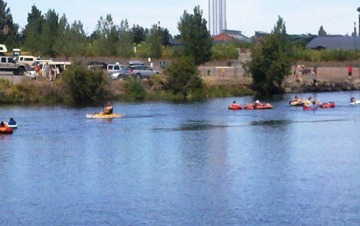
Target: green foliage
[
  {"x": 309, "y": 55},
  {"x": 135, "y": 90},
  {"x": 50, "y": 33},
  {"x": 195, "y": 37},
  {"x": 154, "y": 41},
  {"x": 33, "y": 30},
  {"x": 225, "y": 52},
  {"x": 8, "y": 38},
  {"x": 271, "y": 61},
  {"x": 227, "y": 91},
  {"x": 183, "y": 77},
  {"x": 86, "y": 86}
]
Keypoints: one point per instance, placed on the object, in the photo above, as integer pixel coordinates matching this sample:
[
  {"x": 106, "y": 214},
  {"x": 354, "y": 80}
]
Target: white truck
[{"x": 8, "y": 64}]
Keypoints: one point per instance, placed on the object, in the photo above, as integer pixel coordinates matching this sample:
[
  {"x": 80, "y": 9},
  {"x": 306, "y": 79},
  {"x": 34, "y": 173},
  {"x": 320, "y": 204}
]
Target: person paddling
[
  {"x": 12, "y": 122},
  {"x": 108, "y": 109}
]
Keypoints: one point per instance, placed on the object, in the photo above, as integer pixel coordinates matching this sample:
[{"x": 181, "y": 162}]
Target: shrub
[
  {"x": 183, "y": 77},
  {"x": 134, "y": 90},
  {"x": 85, "y": 86}
]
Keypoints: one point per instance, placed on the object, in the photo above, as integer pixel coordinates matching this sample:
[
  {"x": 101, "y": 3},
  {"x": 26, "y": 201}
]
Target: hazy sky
[{"x": 248, "y": 16}]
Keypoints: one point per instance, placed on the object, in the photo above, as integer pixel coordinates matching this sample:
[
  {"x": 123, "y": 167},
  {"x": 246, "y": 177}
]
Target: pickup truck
[{"x": 8, "y": 64}]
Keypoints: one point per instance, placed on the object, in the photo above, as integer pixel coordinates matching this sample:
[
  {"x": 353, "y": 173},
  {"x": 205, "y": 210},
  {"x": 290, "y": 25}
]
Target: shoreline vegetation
[{"x": 87, "y": 87}]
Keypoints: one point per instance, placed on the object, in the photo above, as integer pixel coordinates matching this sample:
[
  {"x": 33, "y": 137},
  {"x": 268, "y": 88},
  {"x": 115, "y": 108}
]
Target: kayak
[
  {"x": 258, "y": 106},
  {"x": 327, "y": 105},
  {"x": 235, "y": 107},
  {"x": 104, "y": 116},
  {"x": 14, "y": 126},
  {"x": 355, "y": 102},
  {"x": 6, "y": 130}
]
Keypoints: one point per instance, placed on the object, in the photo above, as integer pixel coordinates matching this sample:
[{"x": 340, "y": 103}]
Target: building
[
  {"x": 217, "y": 16},
  {"x": 230, "y": 35},
  {"x": 335, "y": 43}
]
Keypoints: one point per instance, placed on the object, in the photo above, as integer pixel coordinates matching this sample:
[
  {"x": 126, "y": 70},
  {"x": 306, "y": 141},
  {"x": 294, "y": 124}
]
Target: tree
[
  {"x": 139, "y": 34},
  {"x": 125, "y": 46},
  {"x": 183, "y": 77},
  {"x": 195, "y": 37},
  {"x": 154, "y": 41},
  {"x": 50, "y": 33},
  {"x": 9, "y": 30},
  {"x": 71, "y": 40},
  {"x": 322, "y": 32},
  {"x": 271, "y": 60},
  {"x": 33, "y": 30},
  {"x": 106, "y": 37}
]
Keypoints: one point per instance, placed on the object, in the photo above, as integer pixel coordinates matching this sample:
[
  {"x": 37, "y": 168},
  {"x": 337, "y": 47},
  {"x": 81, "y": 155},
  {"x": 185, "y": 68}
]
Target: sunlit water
[{"x": 183, "y": 164}]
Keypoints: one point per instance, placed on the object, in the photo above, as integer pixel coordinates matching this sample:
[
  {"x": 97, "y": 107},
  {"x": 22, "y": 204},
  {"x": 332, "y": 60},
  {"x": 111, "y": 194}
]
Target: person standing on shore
[
  {"x": 47, "y": 71},
  {"x": 350, "y": 71}
]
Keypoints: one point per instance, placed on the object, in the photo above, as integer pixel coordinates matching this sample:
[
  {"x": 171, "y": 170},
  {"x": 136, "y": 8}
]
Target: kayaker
[
  {"x": 257, "y": 103},
  {"x": 12, "y": 122},
  {"x": 2, "y": 124},
  {"x": 108, "y": 109}
]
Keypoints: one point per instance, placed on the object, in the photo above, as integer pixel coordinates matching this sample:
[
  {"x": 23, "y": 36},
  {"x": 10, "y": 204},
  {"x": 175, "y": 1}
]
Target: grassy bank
[{"x": 58, "y": 92}]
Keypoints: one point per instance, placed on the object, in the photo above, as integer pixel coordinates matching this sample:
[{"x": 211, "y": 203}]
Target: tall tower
[{"x": 217, "y": 16}]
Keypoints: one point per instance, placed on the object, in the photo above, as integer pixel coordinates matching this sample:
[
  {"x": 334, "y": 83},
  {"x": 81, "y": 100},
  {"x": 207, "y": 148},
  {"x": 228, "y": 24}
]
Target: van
[{"x": 60, "y": 66}]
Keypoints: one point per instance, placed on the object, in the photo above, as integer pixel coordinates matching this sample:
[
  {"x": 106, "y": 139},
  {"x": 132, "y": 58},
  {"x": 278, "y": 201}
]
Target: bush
[
  {"x": 224, "y": 52},
  {"x": 183, "y": 77},
  {"x": 85, "y": 86},
  {"x": 134, "y": 90}
]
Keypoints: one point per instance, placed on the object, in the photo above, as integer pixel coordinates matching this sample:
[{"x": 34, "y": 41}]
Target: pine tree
[{"x": 195, "y": 37}]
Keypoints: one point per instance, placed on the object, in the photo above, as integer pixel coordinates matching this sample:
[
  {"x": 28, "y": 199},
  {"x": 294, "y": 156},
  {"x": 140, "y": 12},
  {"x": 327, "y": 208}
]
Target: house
[
  {"x": 335, "y": 43},
  {"x": 230, "y": 35}
]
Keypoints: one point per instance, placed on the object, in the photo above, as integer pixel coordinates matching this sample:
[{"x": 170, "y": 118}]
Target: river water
[{"x": 183, "y": 164}]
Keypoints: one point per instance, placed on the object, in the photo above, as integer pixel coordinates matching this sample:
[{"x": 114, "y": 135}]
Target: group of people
[
  {"x": 11, "y": 122},
  {"x": 307, "y": 102},
  {"x": 302, "y": 70},
  {"x": 51, "y": 71}
]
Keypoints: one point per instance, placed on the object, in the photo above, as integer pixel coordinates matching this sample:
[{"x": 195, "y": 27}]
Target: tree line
[{"x": 52, "y": 35}]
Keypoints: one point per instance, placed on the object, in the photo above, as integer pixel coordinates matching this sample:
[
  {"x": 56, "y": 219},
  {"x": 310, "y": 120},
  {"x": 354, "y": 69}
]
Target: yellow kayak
[{"x": 104, "y": 116}]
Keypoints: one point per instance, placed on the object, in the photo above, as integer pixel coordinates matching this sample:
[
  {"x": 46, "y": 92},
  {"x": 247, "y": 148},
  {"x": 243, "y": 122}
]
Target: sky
[{"x": 247, "y": 16}]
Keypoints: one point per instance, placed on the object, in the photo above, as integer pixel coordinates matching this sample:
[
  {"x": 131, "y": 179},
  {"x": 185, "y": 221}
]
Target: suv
[
  {"x": 112, "y": 68},
  {"x": 8, "y": 64},
  {"x": 123, "y": 73},
  {"x": 142, "y": 71}
]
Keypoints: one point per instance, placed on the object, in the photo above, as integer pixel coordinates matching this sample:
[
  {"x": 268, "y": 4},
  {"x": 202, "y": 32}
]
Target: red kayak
[
  {"x": 327, "y": 105},
  {"x": 235, "y": 107},
  {"x": 6, "y": 130},
  {"x": 258, "y": 106}
]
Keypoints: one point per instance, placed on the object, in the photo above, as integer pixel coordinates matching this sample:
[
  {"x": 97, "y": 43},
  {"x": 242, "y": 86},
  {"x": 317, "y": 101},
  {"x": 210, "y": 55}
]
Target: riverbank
[{"x": 219, "y": 82}]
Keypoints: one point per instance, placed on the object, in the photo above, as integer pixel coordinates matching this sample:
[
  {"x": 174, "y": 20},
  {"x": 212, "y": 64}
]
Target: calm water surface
[{"x": 183, "y": 164}]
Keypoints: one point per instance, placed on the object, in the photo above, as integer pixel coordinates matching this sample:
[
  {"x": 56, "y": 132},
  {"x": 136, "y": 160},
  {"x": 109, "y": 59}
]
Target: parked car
[
  {"x": 123, "y": 73},
  {"x": 112, "y": 68},
  {"x": 142, "y": 71}
]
